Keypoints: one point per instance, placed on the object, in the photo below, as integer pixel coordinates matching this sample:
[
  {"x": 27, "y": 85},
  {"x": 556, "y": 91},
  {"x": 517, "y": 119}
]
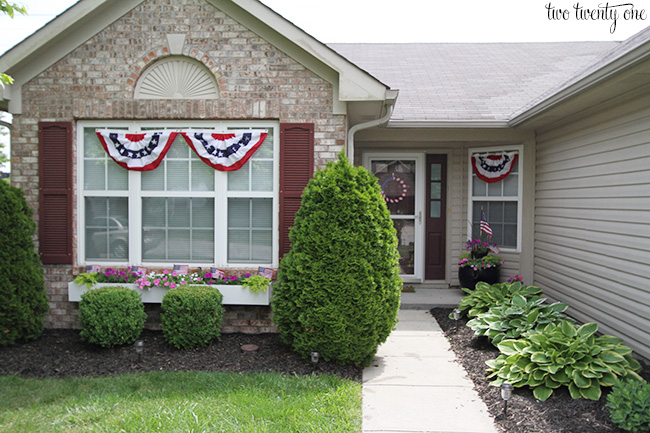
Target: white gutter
[
  {"x": 448, "y": 124},
  {"x": 391, "y": 98}
]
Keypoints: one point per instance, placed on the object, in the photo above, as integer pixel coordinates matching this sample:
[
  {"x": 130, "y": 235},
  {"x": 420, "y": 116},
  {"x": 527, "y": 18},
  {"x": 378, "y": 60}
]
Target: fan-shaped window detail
[{"x": 176, "y": 78}]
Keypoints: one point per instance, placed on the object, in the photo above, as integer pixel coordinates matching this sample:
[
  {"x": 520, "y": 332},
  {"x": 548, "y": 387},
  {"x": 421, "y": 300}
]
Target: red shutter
[
  {"x": 55, "y": 192},
  {"x": 296, "y": 168}
]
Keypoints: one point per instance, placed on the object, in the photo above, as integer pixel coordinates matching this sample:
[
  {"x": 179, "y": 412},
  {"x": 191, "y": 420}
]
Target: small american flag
[
  {"x": 181, "y": 269},
  {"x": 485, "y": 227}
]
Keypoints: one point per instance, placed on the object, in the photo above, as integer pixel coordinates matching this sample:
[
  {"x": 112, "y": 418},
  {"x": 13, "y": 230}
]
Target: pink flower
[
  {"x": 167, "y": 284},
  {"x": 148, "y": 283},
  {"x": 172, "y": 286},
  {"x": 183, "y": 283},
  {"x": 165, "y": 272},
  {"x": 157, "y": 281}
]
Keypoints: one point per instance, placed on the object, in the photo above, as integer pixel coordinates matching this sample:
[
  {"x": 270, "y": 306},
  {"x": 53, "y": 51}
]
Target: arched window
[{"x": 176, "y": 78}]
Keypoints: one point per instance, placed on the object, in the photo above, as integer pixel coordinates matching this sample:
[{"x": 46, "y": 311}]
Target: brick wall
[{"x": 97, "y": 81}]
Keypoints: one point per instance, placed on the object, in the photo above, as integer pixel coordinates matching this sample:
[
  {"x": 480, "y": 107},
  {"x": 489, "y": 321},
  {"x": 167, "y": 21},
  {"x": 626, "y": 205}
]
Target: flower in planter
[
  {"x": 516, "y": 278},
  {"x": 479, "y": 247}
]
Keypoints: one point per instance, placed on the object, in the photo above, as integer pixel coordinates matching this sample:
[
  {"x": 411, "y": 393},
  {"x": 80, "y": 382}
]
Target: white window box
[{"x": 232, "y": 295}]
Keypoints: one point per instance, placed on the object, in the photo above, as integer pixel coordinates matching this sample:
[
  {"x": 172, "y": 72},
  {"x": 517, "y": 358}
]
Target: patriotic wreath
[{"x": 402, "y": 184}]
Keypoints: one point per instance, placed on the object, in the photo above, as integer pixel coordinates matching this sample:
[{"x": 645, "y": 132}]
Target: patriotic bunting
[
  {"x": 493, "y": 168},
  {"x": 139, "y": 152},
  {"x": 225, "y": 151}
]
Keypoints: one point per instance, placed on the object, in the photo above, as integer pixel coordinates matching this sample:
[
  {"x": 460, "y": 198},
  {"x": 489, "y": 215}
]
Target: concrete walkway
[{"x": 414, "y": 385}]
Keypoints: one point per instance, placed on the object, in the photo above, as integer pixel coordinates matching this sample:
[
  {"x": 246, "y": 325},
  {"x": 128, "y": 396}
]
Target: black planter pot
[{"x": 469, "y": 277}]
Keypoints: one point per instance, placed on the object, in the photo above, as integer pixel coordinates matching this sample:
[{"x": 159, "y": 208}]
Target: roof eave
[
  {"x": 617, "y": 66},
  {"x": 472, "y": 124}
]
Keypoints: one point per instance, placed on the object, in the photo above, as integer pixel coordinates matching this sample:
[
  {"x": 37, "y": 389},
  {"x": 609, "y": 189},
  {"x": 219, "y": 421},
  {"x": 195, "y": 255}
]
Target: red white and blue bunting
[
  {"x": 226, "y": 151},
  {"x": 144, "y": 151},
  {"x": 492, "y": 168},
  {"x": 141, "y": 151}
]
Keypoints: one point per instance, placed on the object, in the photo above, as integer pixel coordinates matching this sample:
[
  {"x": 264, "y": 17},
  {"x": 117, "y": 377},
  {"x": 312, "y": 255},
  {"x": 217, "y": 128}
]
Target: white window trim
[
  {"x": 220, "y": 194},
  {"x": 519, "y": 198}
]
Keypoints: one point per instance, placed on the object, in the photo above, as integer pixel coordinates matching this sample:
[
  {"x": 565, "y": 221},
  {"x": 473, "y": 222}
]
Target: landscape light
[
  {"x": 139, "y": 349},
  {"x": 457, "y": 314},
  {"x": 506, "y": 393},
  {"x": 315, "y": 356}
]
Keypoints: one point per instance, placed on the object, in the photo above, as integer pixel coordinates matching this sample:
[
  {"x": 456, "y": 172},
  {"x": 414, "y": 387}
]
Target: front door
[
  {"x": 435, "y": 221},
  {"x": 399, "y": 179}
]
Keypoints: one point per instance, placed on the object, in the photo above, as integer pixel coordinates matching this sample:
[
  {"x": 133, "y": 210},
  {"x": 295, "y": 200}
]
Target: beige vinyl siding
[{"x": 592, "y": 219}]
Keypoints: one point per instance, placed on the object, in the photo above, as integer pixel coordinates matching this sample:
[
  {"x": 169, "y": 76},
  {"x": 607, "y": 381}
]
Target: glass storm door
[{"x": 397, "y": 179}]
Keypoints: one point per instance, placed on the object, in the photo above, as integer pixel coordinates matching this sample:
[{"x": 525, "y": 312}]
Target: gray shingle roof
[{"x": 471, "y": 81}]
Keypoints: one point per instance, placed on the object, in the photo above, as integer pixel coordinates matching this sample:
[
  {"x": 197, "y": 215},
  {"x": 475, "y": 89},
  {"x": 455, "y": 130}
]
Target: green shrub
[
  {"x": 486, "y": 296},
  {"x": 514, "y": 317},
  {"x": 111, "y": 316},
  {"x": 256, "y": 283},
  {"x": 191, "y": 316},
  {"x": 629, "y": 405},
  {"x": 23, "y": 303},
  {"x": 561, "y": 355},
  {"x": 339, "y": 286}
]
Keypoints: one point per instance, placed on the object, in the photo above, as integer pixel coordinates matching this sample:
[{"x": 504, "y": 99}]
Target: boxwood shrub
[
  {"x": 339, "y": 286},
  {"x": 111, "y": 316},
  {"x": 191, "y": 316},
  {"x": 23, "y": 303}
]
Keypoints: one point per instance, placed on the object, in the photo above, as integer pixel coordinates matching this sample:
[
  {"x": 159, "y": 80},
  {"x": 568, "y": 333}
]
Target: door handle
[{"x": 420, "y": 217}]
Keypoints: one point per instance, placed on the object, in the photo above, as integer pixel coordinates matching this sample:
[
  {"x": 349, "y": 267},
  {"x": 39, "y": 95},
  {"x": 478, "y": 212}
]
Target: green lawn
[{"x": 181, "y": 402}]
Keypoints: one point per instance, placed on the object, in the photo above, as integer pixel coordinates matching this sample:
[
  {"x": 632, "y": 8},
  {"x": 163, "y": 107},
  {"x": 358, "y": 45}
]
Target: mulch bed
[
  {"x": 61, "y": 353},
  {"x": 525, "y": 414}
]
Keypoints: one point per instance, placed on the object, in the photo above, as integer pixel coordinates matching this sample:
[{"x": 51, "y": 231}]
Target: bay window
[{"x": 184, "y": 211}]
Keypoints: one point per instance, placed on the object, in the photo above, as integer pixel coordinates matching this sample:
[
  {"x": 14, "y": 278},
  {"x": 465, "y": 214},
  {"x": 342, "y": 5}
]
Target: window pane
[
  {"x": 510, "y": 236},
  {"x": 494, "y": 212},
  {"x": 494, "y": 189},
  {"x": 238, "y": 245},
  {"x": 107, "y": 228},
  {"x": 95, "y": 174},
  {"x": 178, "y": 176},
  {"x": 238, "y": 180},
  {"x": 202, "y": 212},
  {"x": 118, "y": 179},
  {"x": 406, "y": 246},
  {"x": 92, "y": 146},
  {"x": 179, "y": 244},
  {"x": 397, "y": 181},
  {"x": 202, "y": 245},
  {"x": 435, "y": 209},
  {"x": 239, "y": 212},
  {"x": 478, "y": 187},
  {"x": 435, "y": 190},
  {"x": 266, "y": 149},
  {"x": 179, "y": 149},
  {"x": 262, "y": 179},
  {"x": 202, "y": 176},
  {"x": 510, "y": 212},
  {"x": 154, "y": 180},
  {"x": 436, "y": 171},
  {"x": 250, "y": 236},
  {"x": 511, "y": 185},
  {"x": 261, "y": 245},
  {"x": 262, "y": 213}
]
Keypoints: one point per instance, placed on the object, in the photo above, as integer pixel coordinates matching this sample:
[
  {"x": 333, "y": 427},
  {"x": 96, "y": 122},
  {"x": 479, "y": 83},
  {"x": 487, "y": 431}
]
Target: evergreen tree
[
  {"x": 339, "y": 286},
  {"x": 23, "y": 302}
]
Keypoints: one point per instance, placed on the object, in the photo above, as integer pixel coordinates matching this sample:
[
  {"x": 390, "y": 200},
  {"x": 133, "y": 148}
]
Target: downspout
[{"x": 390, "y": 105}]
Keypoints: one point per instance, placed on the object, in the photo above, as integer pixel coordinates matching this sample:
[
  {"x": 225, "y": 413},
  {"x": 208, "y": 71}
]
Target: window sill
[{"x": 232, "y": 295}]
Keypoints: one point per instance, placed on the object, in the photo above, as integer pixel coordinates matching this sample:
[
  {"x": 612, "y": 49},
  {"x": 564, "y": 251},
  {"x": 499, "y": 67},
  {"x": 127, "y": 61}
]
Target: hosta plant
[
  {"x": 514, "y": 317},
  {"x": 629, "y": 405},
  {"x": 486, "y": 296},
  {"x": 561, "y": 355}
]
